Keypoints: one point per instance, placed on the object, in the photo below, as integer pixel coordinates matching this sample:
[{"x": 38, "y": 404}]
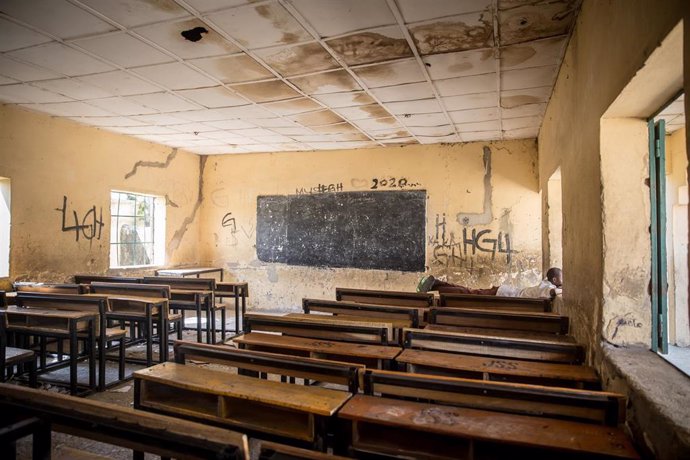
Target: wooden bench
[
  {"x": 288, "y": 412},
  {"x": 51, "y": 288},
  {"x": 398, "y": 298},
  {"x": 88, "y": 279},
  {"x": 549, "y": 323},
  {"x": 408, "y": 315},
  {"x": 121, "y": 426},
  {"x": 376, "y": 356},
  {"x": 493, "y": 302},
  {"x": 11, "y": 357},
  {"x": 499, "y": 347},
  {"x": 191, "y": 294},
  {"x": 420, "y": 430},
  {"x": 274, "y": 451},
  {"x": 313, "y": 326},
  {"x": 263, "y": 363},
  {"x": 93, "y": 304},
  {"x": 562, "y": 403},
  {"x": 499, "y": 369}
]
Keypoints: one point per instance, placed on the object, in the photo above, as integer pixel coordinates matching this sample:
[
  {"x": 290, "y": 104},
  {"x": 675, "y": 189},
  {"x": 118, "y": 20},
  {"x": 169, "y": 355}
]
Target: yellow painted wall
[
  {"x": 611, "y": 42},
  {"x": 47, "y": 158},
  {"x": 452, "y": 175}
]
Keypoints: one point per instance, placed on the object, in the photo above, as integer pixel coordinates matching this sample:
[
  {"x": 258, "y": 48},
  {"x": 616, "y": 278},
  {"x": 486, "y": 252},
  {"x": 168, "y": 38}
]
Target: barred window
[{"x": 136, "y": 230}]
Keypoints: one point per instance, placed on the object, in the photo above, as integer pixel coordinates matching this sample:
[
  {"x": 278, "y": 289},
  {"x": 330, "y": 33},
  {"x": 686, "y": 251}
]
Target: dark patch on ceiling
[
  {"x": 532, "y": 22},
  {"x": 301, "y": 59},
  {"x": 368, "y": 47},
  {"x": 281, "y": 20},
  {"x": 449, "y": 36},
  {"x": 320, "y": 118},
  {"x": 195, "y": 34}
]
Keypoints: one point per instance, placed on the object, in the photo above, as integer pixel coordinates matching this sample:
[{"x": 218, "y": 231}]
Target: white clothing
[{"x": 542, "y": 289}]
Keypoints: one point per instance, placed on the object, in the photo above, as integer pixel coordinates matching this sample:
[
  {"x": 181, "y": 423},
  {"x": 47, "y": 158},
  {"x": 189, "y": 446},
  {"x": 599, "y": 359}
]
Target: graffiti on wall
[
  {"x": 90, "y": 226},
  {"x": 320, "y": 188},
  {"x": 450, "y": 250}
]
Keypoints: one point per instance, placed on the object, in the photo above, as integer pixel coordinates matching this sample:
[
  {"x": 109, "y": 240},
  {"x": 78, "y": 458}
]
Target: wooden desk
[
  {"x": 420, "y": 430},
  {"x": 396, "y": 324},
  {"x": 61, "y": 324},
  {"x": 499, "y": 369},
  {"x": 398, "y": 298},
  {"x": 507, "y": 333},
  {"x": 280, "y": 409},
  {"x": 193, "y": 271},
  {"x": 495, "y": 303},
  {"x": 552, "y": 323},
  {"x": 237, "y": 291},
  {"x": 274, "y": 451},
  {"x": 376, "y": 356},
  {"x": 196, "y": 300}
]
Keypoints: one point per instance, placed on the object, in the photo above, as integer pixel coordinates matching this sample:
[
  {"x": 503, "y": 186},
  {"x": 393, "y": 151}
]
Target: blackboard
[{"x": 371, "y": 230}]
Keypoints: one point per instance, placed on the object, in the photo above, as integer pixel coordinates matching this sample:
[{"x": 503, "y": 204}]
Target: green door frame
[{"x": 657, "y": 190}]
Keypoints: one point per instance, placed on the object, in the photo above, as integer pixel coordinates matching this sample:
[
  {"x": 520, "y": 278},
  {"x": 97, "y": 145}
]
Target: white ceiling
[{"x": 287, "y": 75}]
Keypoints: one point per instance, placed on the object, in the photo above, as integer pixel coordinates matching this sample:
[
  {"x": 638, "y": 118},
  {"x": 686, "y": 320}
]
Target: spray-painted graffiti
[
  {"x": 320, "y": 188},
  {"x": 392, "y": 182},
  {"x": 229, "y": 221},
  {"x": 452, "y": 250},
  {"x": 90, "y": 226}
]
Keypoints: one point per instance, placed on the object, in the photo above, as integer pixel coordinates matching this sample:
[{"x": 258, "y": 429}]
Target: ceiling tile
[
  {"x": 336, "y": 17},
  {"x": 74, "y": 88},
  {"x": 13, "y": 36},
  {"x": 159, "y": 119},
  {"x": 525, "y": 110},
  {"x": 531, "y": 22},
  {"x": 457, "y": 33},
  {"x": 109, "y": 121},
  {"x": 400, "y": 141},
  {"x": 121, "y": 106},
  {"x": 205, "y": 6},
  {"x": 120, "y": 83},
  {"x": 292, "y": 106},
  {"x": 327, "y": 82},
  {"x": 257, "y": 133},
  {"x": 293, "y": 131},
  {"x": 274, "y": 90},
  {"x": 388, "y": 134},
  {"x": 376, "y": 45},
  {"x": 444, "y": 130},
  {"x": 318, "y": 118},
  {"x": 426, "y": 119},
  {"x": 409, "y": 107},
  {"x": 460, "y": 64},
  {"x": 57, "y": 17},
  {"x": 528, "y": 78},
  {"x": 521, "y": 133},
  {"x": 438, "y": 139},
  {"x": 233, "y": 69},
  {"x": 522, "y": 122},
  {"x": 492, "y": 125},
  {"x": 175, "y": 76},
  {"x": 27, "y": 94},
  {"x": 271, "y": 139},
  {"x": 24, "y": 72},
  {"x": 225, "y": 113},
  {"x": 141, "y": 130},
  {"x": 168, "y": 35},
  {"x": 223, "y": 136},
  {"x": 337, "y": 100},
  {"x": 467, "y": 85},
  {"x": 341, "y": 128},
  {"x": 69, "y": 109},
  {"x": 398, "y": 93},
  {"x": 231, "y": 124},
  {"x": 298, "y": 59},
  {"x": 131, "y": 13},
  {"x": 259, "y": 26},
  {"x": 390, "y": 74},
  {"x": 62, "y": 59},
  {"x": 481, "y": 136},
  {"x": 363, "y": 111},
  {"x": 214, "y": 97},
  {"x": 533, "y": 54},
  {"x": 518, "y": 97},
  {"x": 474, "y": 115},
  {"x": 123, "y": 49},
  {"x": 415, "y": 11},
  {"x": 272, "y": 122},
  {"x": 193, "y": 128},
  {"x": 163, "y": 102},
  {"x": 371, "y": 124},
  {"x": 471, "y": 101}
]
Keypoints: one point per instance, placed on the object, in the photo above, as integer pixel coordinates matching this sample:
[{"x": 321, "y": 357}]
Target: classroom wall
[
  {"x": 610, "y": 44},
  {"x": 47, "y": 159},
  {"x": 465, "y": 193}
]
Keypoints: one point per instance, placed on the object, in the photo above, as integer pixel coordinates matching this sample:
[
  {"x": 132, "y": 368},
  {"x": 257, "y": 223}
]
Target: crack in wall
[
  {"x": 485, "y": 217},
  {"x": 152, "y": 164},
  {"x": 180, "y": 232},
  {"x": 169, "y": 202}
]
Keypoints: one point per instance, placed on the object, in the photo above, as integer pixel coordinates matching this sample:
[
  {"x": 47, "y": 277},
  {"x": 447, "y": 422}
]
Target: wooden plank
[
  {"x": 564, "y": 403},
  {"x": 375, "y": 417},
  {"x": 537, "y": 350},
  {"x": 512, "y": 370},
  {"x": 493, "y": 302},
  {"x": 411, "y": 314},
  {"x": 399, "y": 298},
  {"x": 134, "y": 289},
  {"x": 521, "y": 321},
  {"x": 542, "y": 336},
  {"x": 274, "y": 451}
]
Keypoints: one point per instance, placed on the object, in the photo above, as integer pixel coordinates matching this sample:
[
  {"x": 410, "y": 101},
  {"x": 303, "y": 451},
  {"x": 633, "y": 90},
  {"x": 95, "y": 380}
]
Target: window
[
  {"x": 4, "y": 227},
  {"x": 137, "y": 230}
]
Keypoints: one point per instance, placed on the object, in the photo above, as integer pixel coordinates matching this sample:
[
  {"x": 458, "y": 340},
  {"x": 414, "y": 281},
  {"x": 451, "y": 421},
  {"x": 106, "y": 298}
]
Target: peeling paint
[
  {"x": 180, "y": 232},
  {"x": 152, "y": 164},
  {"x": 368, "y": 47},
  {"x": 486, "y": 216},
  {"x": 301, "y": 59},
  {"x": 449, "y": 36}
]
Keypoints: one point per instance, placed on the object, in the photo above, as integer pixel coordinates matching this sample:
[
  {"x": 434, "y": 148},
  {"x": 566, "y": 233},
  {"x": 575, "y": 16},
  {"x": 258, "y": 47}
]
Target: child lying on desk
[{"x": 549, "y": 287}]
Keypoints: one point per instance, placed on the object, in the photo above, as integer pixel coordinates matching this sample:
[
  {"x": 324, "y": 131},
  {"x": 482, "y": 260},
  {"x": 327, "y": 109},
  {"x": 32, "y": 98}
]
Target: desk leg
[
  {"x": 149, "y": 337},
  {"x": 244, "y": 306},
  {"x": 237, "y": 310},
  {"x": 210, "y": 319},
  {"x": 199, "y": 336},
  {"x": 92, "y": 357},
  {"x": 101, "y": 357},
  {"x": 73, "y": 349},
  {"x": 163, "y": 334}
]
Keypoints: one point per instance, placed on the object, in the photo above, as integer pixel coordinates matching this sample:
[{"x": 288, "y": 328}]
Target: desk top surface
[
  {"x": 490, "y": 426},
  {"x": 318, "y": 345},
  {"x": 315, "y": 400},
  {"x": 48, "y": 313},
  {"x": 188, "y": 271},
  {"x": 131, "y": 298},
  {"x": 461, "y": 362}
]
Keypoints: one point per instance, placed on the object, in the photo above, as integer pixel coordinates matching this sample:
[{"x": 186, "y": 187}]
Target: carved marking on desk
[
  {"x": 436, "y": 416},
  {"x": 500, "y": 364}
]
